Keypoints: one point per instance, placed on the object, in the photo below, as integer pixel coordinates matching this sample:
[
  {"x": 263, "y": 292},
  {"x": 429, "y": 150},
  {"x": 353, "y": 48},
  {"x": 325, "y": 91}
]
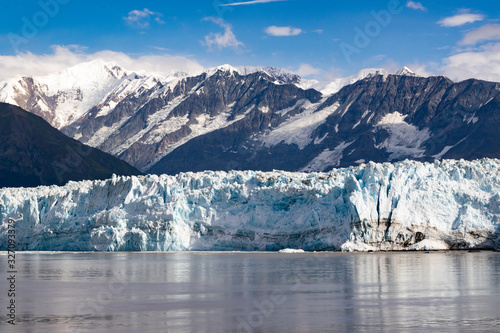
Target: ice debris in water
[{"x": 291, "y": 251}]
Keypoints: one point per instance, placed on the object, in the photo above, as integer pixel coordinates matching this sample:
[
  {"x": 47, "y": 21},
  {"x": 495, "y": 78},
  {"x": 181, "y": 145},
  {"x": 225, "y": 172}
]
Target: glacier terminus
[{"x": 408, "y": 205}]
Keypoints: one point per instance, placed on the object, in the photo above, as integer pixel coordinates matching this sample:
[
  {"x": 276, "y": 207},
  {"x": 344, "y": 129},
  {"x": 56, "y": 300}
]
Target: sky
[{"x": 317, "y": 39}]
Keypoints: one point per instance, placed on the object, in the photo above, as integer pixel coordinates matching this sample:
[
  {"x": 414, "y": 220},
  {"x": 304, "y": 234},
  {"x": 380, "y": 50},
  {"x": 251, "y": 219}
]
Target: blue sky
[{"x": 316, "y": 38}]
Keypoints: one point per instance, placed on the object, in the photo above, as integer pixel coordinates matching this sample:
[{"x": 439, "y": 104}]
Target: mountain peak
[
  {"x": 65, "y": 96},
  {"x": 281, "y": 74},
  {"x": 223, "y": 68},
  {"x": 94, "y": 69},
  {"x": 333, "y": 86},
  {"x": 406, "y": 71}
]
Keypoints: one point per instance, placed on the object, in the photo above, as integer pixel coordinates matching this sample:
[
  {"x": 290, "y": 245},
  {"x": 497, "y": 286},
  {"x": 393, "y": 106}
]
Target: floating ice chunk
[{"x": 291, "y": 251}]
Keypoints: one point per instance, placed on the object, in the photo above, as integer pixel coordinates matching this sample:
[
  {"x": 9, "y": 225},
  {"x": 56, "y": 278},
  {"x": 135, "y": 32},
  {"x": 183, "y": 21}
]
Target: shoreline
[{"x": 4, "y": 253}]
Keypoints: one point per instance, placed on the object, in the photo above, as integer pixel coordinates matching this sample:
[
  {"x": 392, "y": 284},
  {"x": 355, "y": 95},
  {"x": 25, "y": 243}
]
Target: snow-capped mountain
[
  {"x": 402, "y": 206},
  {"x": 264, "y": 118},
  {"x": 149, "y": 124},
  {"x": 333, "y": 86},
  {"x": 281, "y": 75},
  {"x": 64, "y": 97},
  {"x": 379, "y": 118},
  {"x": 406, "y": 71}
]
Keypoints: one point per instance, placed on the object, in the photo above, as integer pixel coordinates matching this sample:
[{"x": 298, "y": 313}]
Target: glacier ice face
[{"x": 405, "y": 205}]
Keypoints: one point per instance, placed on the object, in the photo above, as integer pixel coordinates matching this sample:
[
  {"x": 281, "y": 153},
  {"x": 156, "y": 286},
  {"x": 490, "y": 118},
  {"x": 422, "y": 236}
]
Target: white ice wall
[{"x": 374, "y": 206}]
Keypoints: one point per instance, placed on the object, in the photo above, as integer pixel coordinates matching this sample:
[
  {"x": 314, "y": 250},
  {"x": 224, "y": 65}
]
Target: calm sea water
[{"x": 254, "y": 292}]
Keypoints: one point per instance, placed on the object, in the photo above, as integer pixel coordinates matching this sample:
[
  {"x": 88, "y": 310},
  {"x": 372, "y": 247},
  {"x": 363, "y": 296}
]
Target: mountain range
[{"x": 263, "y": 118}]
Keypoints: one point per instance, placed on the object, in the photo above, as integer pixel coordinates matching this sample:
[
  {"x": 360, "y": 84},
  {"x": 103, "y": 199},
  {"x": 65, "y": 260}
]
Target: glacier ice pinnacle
[{"x": 406, "y": 205}]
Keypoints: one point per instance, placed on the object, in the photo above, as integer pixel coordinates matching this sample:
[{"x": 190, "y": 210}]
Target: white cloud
[
  {"x": 484, "y": 33},
  {"x": 250, "y": 2},
  {"x": 67, "y": 56},
  {"x": 228, "y": 39},
  {"x": 483, "y": 63},
  {"x": 307, "y": 70},
  {"x": 415, "y": 5},
  {"x": 460, "y": 19},
  {"x": 283, "y": 31},
  {"x": 141, "y": 18},
  {"x": 374, "y": 59}
]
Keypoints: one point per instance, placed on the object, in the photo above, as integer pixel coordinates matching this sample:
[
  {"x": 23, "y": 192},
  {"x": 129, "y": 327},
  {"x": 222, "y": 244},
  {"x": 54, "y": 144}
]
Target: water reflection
[{"x": 257, "y": 292}]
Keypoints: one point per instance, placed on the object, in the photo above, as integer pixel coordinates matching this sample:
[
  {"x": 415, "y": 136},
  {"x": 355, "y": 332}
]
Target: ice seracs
[{"x": 402, "y": 206}]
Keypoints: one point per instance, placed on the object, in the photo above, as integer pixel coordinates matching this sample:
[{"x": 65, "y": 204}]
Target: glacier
[{"x": 407, "y": 205}]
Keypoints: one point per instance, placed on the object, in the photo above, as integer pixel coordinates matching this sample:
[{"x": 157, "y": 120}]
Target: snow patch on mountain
[
  {"x": 298, "y": 128},
  {"x": 170, "y": 125},
  {"x": 447, "y": 149},
  {"x": 367, "y": 112},
  {"x": 327, "y": 158},
  {"x": 11, "y": 88},
  {"x": 79, "y": 88},
  {"x": 203, "y": 125},
  {"x": 152, "y": 121},
  {"x": 133, "y": 87},
  {"x": 404, "y": 139},
  {"x": 103, "y": 133},
  {"x": 406, "y": 71}
]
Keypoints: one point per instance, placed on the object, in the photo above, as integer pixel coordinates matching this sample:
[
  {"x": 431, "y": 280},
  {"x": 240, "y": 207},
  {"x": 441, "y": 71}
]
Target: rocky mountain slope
[
  {"x": 266, "y": 118},
  {"x": 394, "y": 117},
  {"x": 34, "y": 153}
]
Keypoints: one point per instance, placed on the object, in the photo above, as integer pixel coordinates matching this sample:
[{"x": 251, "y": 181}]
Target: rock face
[
  {"x": 221, "y": 108},
  {"x": 389, "y": 118},
  {"x": 380, "y": 118},
  {"x": 33, "y": 153},
  {"x": 252, "y": 118},
  {"x": 402, "y": 206},
  {"x": 224, "y": 120}
]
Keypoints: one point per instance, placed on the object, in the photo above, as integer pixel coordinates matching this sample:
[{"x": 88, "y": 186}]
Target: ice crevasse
[{"x": 401, "y": 206}]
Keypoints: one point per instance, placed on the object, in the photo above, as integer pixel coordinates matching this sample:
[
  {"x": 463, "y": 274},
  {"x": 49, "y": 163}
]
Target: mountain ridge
[{"x": 263, "y": 118}]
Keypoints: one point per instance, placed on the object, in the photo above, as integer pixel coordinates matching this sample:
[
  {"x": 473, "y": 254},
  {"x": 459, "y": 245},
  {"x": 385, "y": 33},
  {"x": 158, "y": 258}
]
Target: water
[{"x": 255, "y": 292}]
